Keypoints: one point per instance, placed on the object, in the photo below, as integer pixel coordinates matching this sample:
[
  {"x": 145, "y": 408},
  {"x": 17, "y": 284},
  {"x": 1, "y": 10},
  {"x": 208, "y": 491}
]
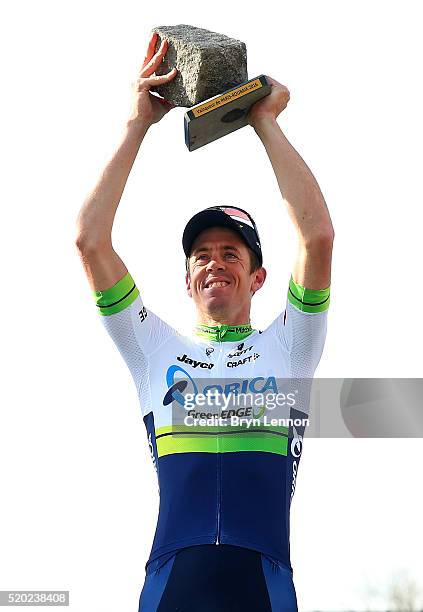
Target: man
[{"x": 222, "y": 537}]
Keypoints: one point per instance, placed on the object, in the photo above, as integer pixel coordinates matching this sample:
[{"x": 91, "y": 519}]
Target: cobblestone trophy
[{"x": 212, "y": 80}]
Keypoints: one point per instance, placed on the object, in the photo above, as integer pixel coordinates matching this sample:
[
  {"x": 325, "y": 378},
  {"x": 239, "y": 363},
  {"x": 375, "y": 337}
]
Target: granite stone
[{"x": 208, "y": 64}]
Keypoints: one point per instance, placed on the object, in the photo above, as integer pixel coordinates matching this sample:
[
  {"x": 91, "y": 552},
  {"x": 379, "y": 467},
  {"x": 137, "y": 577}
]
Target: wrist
[
  {"x": 267, "y": 129},
  {"x": 137, "y": 127},
  {"x": 264, "y": 122}
]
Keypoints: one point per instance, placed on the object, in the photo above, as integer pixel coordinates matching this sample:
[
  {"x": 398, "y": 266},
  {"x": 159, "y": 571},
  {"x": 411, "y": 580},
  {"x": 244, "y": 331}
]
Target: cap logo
[{"x": 237, "y": 215}]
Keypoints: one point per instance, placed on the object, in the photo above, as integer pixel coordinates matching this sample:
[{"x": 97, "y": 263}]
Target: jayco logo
[{"x": 194, "y": 363}]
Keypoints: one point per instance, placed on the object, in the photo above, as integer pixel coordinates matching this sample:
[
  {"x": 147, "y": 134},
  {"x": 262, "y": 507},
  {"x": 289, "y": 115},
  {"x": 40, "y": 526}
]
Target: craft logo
[{"x": 235, "y": 364}]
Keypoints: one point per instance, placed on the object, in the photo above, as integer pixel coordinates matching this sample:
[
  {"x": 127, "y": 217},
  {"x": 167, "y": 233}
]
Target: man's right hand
[{"x": 146, "y": 107}]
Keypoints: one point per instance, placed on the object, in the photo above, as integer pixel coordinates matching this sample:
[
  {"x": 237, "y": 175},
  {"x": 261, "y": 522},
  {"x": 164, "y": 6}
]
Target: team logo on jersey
[
  {"x": 243, "y": 361},
  {"x": 175, "y": 392},
  {"x": 209, "y": 350},
  {"x": 177, "y": 385},
  {"x": 194, "y": 363},
  {"x": 240, "y": 351},
  {"x": 296, "y": 449},
  {"x": 296, "y": 444},
  {"x": 153, "y": 457}
]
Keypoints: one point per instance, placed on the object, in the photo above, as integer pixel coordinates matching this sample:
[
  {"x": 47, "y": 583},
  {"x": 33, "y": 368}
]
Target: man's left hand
[{"x": 270, "y": 106}]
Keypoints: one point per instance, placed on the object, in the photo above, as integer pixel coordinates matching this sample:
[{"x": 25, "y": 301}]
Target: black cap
[{"x": 232, "y": 217}]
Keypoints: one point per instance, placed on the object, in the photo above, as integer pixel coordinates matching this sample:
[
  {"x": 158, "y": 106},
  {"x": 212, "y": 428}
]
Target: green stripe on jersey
[
  {"x": 265, "y": 442},
  {"x": 308, "y": 300},
  {"x": 219, "y": 428},
  {"x": 118, "y": 297},
  {"x": 224, "y": 333}
]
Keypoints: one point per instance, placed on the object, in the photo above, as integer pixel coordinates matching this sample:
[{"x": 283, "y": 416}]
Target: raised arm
[
  {"x": 102, "y": 264},
  {"x": 300, "y": 191}
]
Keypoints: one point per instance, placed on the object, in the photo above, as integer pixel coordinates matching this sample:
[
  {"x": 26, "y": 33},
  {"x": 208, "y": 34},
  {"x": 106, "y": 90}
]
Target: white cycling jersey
[{"x": 231, "y": 484}]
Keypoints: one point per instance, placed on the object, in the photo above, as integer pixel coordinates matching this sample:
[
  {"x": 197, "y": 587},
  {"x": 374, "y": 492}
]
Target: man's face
[{"x": 220, "y": 281}]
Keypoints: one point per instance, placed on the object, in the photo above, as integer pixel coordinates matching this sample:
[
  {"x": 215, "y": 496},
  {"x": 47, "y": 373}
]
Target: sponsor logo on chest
[
  {"x": 243, "y": 361},
  {"x": 240, "y": 353},
  {"x": 194, "y": 363}
]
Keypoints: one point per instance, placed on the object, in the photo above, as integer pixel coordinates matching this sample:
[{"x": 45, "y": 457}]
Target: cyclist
[{"x": 222, "y": 537}]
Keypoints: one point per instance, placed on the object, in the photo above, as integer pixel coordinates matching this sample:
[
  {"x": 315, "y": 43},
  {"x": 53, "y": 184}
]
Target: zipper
[
  {"x": 218, "y": 496},
  {"x": 219, "y": 458}
]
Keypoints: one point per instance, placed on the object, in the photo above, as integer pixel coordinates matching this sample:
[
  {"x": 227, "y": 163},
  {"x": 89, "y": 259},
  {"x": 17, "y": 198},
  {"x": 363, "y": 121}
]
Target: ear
[
  {"x": 258, "y": 278},
  {"x": 188, "y": 284}
]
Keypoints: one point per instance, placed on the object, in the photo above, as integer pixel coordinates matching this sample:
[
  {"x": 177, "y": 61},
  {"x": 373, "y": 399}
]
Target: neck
[
  {"x": 223, "y": 332},
  {"x": 223, "y": 317},
  {"x": 221, "y": 328},
  {"x": 216, "y": 321}
]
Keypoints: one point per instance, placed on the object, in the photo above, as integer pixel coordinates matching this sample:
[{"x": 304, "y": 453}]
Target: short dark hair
[{"x": 254, "y": 261}]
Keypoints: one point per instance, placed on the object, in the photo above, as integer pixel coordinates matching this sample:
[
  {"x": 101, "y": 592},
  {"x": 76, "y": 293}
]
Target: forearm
[
  {"x": 95, "y": 219},
  {"x": 299, "y": 189}
]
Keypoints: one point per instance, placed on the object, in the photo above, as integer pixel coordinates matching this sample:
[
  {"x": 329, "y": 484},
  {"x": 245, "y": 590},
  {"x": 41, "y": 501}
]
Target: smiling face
[{"x": 219, "y": 279}]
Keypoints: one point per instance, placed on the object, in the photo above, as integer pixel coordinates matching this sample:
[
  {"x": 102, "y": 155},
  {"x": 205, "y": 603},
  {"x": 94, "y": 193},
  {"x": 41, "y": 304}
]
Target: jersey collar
[{"x": 223, "y": 333}]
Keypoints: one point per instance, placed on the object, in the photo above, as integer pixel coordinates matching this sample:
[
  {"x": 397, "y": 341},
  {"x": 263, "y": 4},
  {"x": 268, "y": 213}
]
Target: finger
[
  {"x": 156, "y": 60},
  {"x": 274, "y": 82},
  {"x": 153, "y": 81},
  {"x": 150, "y": 48}
]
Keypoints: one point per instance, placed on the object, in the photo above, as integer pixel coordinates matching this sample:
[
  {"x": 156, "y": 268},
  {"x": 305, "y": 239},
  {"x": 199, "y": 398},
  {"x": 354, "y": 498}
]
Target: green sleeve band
[
  {"x": 308, "y": 300},
  {"x": 118, "y": 297}
]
